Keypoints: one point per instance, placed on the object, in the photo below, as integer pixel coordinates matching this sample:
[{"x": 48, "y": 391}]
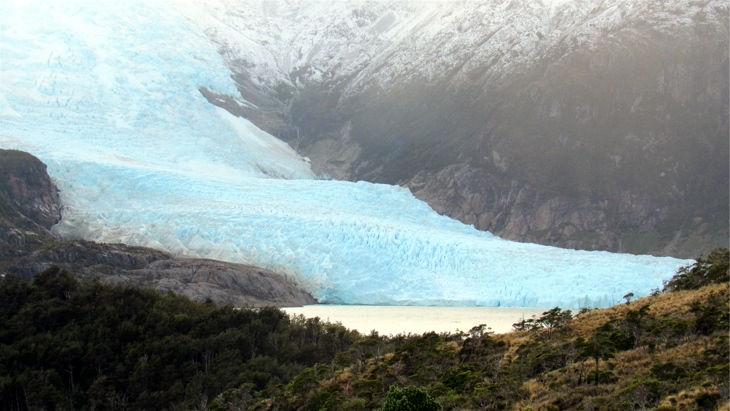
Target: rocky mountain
[
  {"x": 30, "y": 206},
  {"x": 597, "y": 124}
]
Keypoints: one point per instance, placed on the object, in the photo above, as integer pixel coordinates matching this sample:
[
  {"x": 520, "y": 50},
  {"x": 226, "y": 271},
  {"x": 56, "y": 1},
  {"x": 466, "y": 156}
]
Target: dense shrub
[
  {"x": 408, "y": 399},
  {"x": 79, "y": 345},
  {"x": 713, "y": 268}
]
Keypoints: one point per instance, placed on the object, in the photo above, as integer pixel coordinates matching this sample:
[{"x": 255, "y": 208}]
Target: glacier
[{"x": 107, "y": 94}]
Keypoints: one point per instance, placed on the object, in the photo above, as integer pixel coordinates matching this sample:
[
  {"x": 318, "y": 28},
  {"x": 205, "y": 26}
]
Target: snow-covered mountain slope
[
  {"x": 379, "y": 42},
  {"x": 586, "y": 123},
  {"x": 108, "y": 95}
]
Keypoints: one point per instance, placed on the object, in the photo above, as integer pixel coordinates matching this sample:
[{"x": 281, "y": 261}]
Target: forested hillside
[{"x": 74, "y": 345}]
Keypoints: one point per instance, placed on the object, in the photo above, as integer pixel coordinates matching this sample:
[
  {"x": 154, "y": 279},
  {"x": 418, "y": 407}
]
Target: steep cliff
[{"x": 29, "y": 203}]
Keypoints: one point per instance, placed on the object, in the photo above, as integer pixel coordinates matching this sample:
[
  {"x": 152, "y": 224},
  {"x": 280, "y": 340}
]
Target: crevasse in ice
[{"x": 107, "y": 94}]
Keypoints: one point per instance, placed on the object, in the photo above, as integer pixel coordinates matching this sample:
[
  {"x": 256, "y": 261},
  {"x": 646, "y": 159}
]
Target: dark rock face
[
  {"x": 29, "y": 206},
  {"x": 201, "y": 280},
  {"x": 25, "y": 184}
]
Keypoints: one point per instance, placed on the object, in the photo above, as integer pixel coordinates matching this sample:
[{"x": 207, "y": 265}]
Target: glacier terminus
[{"x": 108, "y": 95}]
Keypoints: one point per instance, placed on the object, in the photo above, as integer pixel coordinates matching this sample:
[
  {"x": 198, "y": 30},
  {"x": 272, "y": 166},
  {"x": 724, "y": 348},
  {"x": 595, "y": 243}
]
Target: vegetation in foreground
[{"x": 80, "y": 345}]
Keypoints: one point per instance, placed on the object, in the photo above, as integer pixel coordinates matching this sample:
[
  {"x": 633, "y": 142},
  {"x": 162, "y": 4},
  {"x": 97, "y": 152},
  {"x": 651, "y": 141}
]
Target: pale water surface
[{"x": 416, "y": 319}]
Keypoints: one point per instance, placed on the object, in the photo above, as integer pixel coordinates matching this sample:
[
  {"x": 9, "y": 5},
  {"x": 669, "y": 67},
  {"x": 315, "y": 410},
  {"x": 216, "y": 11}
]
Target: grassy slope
[
  {"x": 637, "y": 382},
  {"x": 674, "y": 363}
]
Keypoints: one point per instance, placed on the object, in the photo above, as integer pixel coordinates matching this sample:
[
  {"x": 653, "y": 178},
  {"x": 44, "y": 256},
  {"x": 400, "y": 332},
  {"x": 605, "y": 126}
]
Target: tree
[
  {"x": 605, "y": 342},
  {"x": 56, "y": 283},
  {"x": 480, "y": 330},
  {"x": 408, "y": 399},
  {"x": 713, "y": 268},
  {"x": 628, "y": 298},
  {"x": 526, "y": 325},
  {"x": 555, "y": 318}
]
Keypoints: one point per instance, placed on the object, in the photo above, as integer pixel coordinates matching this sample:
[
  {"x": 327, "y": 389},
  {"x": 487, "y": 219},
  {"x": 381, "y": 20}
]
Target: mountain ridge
[{"x": 610, "y": 116}]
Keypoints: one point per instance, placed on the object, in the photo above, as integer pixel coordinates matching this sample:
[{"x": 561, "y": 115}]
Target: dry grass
[
  {"x": 677, "y": 303},
  {"x": 626, "y": 366},
  {"x": 687, "y": 399},
  {"x": 513, "y": 340},
  {"x": 543, "y": 392},
  {"x": 571, "y": 386}
]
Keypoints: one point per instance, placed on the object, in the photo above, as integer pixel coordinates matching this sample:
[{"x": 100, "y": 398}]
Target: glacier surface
[{"x": 108, "y": 95}]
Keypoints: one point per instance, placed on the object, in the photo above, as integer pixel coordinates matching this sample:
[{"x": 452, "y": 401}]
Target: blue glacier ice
[{"x": 107, "y": 94}]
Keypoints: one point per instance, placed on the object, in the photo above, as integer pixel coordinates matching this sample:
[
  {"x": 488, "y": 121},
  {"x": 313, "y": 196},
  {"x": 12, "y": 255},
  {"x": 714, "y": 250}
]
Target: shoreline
[{"x": 394, "y": 319}]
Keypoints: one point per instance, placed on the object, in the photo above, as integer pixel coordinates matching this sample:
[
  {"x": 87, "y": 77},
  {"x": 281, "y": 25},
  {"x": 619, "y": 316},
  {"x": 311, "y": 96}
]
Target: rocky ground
[{"x": 30, "y": 206}]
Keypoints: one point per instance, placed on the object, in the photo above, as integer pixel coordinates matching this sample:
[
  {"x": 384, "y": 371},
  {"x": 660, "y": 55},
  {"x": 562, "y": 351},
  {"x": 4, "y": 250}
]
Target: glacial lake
[{"x": 391, "y": 320}]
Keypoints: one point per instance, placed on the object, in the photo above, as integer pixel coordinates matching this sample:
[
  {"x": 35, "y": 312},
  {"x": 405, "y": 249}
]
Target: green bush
[
  {"x": 713, "y": 268},
  {"x": 408, "y": 399},
  {"x": 668, "y": 371}
]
